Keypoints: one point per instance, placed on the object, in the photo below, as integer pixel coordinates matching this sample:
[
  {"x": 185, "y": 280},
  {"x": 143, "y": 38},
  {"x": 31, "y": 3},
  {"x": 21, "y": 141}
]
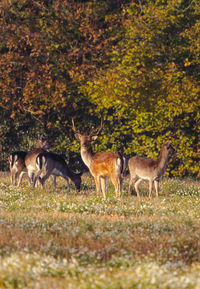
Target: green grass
[{"x": 63, "y": 240}]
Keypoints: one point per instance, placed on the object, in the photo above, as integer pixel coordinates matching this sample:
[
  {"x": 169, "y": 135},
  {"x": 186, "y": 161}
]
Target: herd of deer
[{"x": 40, "y": 164}]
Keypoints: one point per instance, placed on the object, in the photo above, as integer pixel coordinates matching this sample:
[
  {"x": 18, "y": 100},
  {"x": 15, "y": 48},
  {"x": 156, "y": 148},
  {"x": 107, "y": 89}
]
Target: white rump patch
[
  {"x": 15, "y": 166},
  {"x": 44, "y": 163},
  {"x": 118, "y": 166},
  {"x": 31, "y": 168},
  {"x": 15, "y": 158}
]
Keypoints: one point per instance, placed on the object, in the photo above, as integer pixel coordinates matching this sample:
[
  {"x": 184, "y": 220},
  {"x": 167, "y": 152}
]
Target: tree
[
  {"x": 150, "y": 93},
  {"x": 47, "y": 50}
]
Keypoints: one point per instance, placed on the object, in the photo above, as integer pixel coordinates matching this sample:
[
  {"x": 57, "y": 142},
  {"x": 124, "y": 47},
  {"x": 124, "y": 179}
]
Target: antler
[
  {"x": 73, "y": 126},
  {"x": 40, "y": 136},
  {"x": 91, "y": 132},
  {"x": 100, "y": 129}
]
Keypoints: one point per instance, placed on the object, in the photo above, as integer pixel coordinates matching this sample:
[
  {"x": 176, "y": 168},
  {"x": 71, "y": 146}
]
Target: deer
[
  {"x": 49, "y": 163},
  {"x": 17, "y": 166},
  {"x": 17, "y": 162},
  {"x": 101, "y": 164},
  {"x": 149, "y": 169},
  {"x": 30, "y": 159}
]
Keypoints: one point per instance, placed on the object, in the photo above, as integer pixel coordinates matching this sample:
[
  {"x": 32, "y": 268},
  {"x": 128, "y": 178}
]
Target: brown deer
[
  {"x": 101, "y": 165},
  {"x": 49, "y": 163},
  {"x": 17, "y": 162},
  {"x": 149, "y": 169},
  {"x": 17, "y": 166},
  {"x": 30, "y": 159}
]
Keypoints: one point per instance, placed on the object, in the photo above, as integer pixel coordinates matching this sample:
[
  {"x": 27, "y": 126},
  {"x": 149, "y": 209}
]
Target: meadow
[{"x": 76, "y": 240}]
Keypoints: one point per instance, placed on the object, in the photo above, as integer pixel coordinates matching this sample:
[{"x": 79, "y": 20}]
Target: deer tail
[
  {"x": 123, "y": 162},
  {"x": 41, "y": 161}
]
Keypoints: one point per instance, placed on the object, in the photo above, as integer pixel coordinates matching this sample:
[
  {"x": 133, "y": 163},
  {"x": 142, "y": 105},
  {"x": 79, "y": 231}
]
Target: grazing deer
[
  {"x": 30, "y": 159},
  {"x": 149, "y": 169},
  {"x": 17, "y": 166},
  {"x": 101, "y": 165},
  {"x": 49, "y": 163}
]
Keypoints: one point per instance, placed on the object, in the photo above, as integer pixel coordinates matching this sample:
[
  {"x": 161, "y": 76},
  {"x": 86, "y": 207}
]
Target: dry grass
[{"x": 70, "y": 240}]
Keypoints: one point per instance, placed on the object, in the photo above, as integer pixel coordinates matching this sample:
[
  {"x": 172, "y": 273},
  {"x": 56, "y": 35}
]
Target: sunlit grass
[{"x": 60, "y": 239}]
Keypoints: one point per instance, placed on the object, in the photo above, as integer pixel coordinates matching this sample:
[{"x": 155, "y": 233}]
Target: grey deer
[
  {"x": 49, "y": 163},
  {"x": 149, "y": 169},
  {"x": 101, "y": 164}
]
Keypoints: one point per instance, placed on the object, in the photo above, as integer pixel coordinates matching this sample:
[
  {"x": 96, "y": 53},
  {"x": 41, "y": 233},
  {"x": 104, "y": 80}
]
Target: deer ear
[
  {"x": 40, "y": 136},
  {"x": 94, "y": 137}
]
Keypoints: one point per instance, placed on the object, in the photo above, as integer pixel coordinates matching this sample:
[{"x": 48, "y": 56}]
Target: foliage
[
  {"x": 151, "y": 91},
  {"x": 134, "y": 63},
  {"x": 48, "y": 48}
]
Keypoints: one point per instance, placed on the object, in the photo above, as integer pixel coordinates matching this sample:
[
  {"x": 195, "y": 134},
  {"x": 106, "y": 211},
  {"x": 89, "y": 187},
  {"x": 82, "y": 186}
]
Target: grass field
[{"x": 65, "y": 240}]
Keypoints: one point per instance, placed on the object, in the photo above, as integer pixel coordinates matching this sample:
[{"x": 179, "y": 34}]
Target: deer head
[
  {"x": 85, "y": 141},
  {"x": 167, "y": 147},
  {"x": 42, "y": 142}
]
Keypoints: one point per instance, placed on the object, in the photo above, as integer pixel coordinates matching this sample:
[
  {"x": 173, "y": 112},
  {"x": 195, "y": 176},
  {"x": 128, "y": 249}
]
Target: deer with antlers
[{"x": 101, "y": 164}]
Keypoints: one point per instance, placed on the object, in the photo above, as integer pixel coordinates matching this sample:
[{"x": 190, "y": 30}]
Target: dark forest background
[{"x": 136, "y": 64}]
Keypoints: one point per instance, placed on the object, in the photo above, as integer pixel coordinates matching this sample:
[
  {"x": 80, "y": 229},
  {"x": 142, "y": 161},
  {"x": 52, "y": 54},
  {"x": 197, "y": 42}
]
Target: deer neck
[
  {"x": 162, "y": 160},
  {"x": 70, "y": 174},
  {"x": 86, "y": 155}
]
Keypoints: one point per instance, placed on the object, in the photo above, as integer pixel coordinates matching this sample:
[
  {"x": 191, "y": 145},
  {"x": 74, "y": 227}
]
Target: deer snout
[{"x": 78, "y": 187}]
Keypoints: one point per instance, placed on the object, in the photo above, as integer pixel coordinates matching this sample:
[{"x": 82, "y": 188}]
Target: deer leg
[
  {"x": 16, "y": 178},
  {"x": 132, "y": 180},
  {"x": 116, "y": 183},
  {"x": 98, "y": 186},
  {"x": 103, "y": 186},
  {"x": 119, "y": 185},
  {"x": 12, "y": 177},
  {"x": 54, "y": 181},
  {"x": 150, "y": 188},
  {"x": 130, "y": 185},
  {"x": 67, "y": 179},
  {"x": 20, "y": 178},
  {"x": 137, "y": 182},
  {"x": 44, "y": 178},
  {"x": 30, "y": 176},
  {"x": 42, "y": 174},
  {"x": 156, "y": 183},
  {"x": 36, "y": 179}
]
